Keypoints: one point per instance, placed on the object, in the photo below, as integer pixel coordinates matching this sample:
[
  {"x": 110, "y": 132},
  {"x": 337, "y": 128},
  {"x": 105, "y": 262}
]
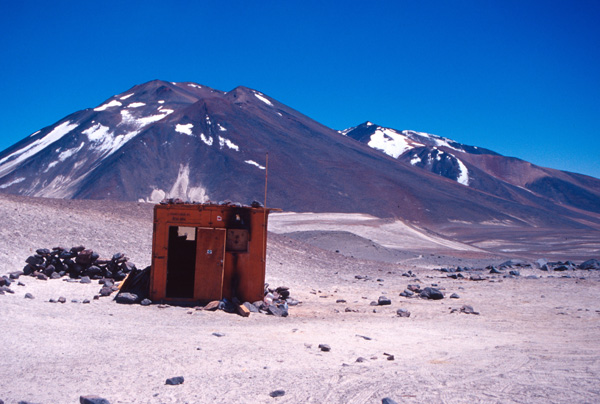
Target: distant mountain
[
  {"x": 480, "y": 168},
  {"x": 185, "y": 140}
]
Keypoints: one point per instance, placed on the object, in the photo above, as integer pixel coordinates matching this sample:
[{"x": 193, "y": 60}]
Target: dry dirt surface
[{"x": 535, "y": 340}]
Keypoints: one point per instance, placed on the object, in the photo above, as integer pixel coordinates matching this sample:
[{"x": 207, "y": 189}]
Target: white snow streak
[
  {"x": 222, "y": 129},
  {"x": 113, "y": 103},
  {"x": 208, "y": 141},
  {"x": 126, "y": 96},
  {"x": 33, "y": 148},
  {"x": 254, "y": 163},
  {"x": 229, "y": 143},
  {"x": 136, "y": 105},
  {"x": 463, "y": 177},
  {"x": 69, "y": 152},
  {"x": 263, "y": 99},
  {"x": 184, "y": 129},
  {"x": 8, "y": 184}
]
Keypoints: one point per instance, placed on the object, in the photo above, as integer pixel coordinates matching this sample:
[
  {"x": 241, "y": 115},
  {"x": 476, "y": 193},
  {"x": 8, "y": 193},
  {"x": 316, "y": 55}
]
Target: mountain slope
[{"x": 184, "y": 140}]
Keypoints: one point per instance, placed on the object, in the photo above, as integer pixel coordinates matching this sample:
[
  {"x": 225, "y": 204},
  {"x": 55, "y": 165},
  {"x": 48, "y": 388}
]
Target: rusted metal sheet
[{"x": 204, "y": 252}]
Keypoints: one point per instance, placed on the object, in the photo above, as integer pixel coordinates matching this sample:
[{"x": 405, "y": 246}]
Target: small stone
[
  {"x": 454, "y": 296},
  {"x": 340, "y": 301},
  {"x": 85, "y": 279},
  {"x": 86, "y": 301},
  {"x": 468, "y": 310},
  {"x": 126, "y": 298},
  {"x": 174, "y": 381},
  {"x": 383, "y": 301},
  {"x": 388, "y": 400},
  {"x": 277, "y": 393},
  {"x": 360, "y": 359},
  {"x": 324, "y": 347},
  {"x": 29, "y": 296},
  {"x": 62, "y": 299},
  {"x": 42, "y": 277},
  {"x": 218, "y": 334},
  {"x": 92, "y": 400},
  {"x": 146, "y": 302},
  {"x": 515, "y": 273},
  {"x": 364, "y": 337},
  {"x": 403, "y": 313}
]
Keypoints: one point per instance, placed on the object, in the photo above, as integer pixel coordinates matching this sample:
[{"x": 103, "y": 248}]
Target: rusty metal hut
[{"x": 206, "y": 252}]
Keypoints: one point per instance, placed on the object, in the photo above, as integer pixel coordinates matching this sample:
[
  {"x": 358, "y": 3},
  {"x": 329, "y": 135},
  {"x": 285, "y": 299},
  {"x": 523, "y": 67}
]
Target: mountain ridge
[{"x": 163, "y": 139}]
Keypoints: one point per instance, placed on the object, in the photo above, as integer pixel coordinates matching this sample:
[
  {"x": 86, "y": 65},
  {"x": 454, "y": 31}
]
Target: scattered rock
[
  {"x": 514, "y": 273},
  {"x": 477, "y": 277},
  {"x": 364, "y": 337},
  {"x": 146, "y": 302},
  {"x": 468, "y": 310},
  {"x": 62, "y": 299},
  {"x": 277, "y": 393},
  {"x": 126, "y": 298},
  {"x": 383, "y": 301},
  {"x": 324, "y": 347},
  {"x": 431, "y": 294},
  {"x": 92, "y": 400},
  {"x": 29, "y": 296},
  {"x": 388, "y": 400},
  {"x": 174, "y": 381},
  {"x": 218, "y": 334},
  {"x": 403, "y": 313},
  {"x": 454, "y": 296}
]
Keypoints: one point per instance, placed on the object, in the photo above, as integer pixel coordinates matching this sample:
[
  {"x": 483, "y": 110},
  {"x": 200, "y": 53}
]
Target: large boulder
[{"x": 431, "y": 294}]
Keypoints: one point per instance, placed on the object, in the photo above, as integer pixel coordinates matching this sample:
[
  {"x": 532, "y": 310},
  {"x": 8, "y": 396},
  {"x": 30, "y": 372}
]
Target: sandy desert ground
[{"x": 534, "y": 341}]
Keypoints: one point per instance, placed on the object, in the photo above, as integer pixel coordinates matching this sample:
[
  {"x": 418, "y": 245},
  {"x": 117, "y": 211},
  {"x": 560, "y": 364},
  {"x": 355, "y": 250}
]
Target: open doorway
[{"x": 181, "y": 262}]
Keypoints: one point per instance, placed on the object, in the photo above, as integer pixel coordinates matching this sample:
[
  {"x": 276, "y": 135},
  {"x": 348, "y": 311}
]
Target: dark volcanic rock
[
  {"x": 431, "y": 293},
  {"x": 92, "y": 400},
  {"x": 324, "y": 347},
  {"x": 174, "y": 381},
  {"x": 403, "y": 313},
  {"x": 126, "y": 298},
  {"x": 590, "y": 264},
  {"x": 388, "y": 400},
  {"x": 383, "y": 301},
  {"x": 277, "y": 393}
]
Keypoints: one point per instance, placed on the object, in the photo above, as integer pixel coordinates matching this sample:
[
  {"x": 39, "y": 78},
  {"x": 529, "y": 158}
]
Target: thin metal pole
[{"x": 265, "y": 209}]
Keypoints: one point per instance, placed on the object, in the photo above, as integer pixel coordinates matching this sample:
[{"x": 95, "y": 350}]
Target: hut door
[{"x": 210, "y": 253}]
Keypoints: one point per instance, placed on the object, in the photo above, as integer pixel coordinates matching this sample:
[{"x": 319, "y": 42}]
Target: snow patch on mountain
[
  {"x": 185, "y": 129},
  {"x": 128, "y": 119},
  {"x": 463, "y": 177},
  {"x": 8, "y": 184},
  {"x": 181, "y": 189},
  {"x": 126, "y": 96},
  {"x": 391, "y": 142},
  {"x": 226, "y": 142},
  {"x": 69, "y": 152},
  {"x": 8, "y": 163},
  {"x": 415, "y": 160},
  {"x": 254, "y": 163},
  {"x": 263, "y": 98},
  {"x": 96, "y": 132},
  {"x": 222, "y": 129},
  {"x": 136, "y": 104},
  {"x": 207, "y": 140},
  {"x": 113, "y": 103}
]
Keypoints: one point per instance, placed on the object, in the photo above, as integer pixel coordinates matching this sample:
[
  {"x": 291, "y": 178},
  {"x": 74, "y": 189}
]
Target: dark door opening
[{"x": 181, "y": 262}]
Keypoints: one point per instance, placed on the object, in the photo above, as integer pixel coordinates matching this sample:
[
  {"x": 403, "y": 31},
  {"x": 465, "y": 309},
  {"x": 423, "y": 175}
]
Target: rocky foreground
[{"x": 464, "y": 333}]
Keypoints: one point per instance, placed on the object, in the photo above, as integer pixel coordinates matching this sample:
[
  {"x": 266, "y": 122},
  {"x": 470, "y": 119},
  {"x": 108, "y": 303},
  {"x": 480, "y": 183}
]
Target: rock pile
[
  {"x": 276, "y": 302},
  {"x": 76, "y": 263}
]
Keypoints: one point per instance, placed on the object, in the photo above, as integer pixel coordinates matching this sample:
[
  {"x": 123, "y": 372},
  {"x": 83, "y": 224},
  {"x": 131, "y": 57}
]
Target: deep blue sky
[{"x": 519, "y": 77}]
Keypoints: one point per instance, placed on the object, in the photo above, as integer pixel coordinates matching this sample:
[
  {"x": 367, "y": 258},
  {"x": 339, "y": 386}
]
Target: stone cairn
[{"x": 76, "y": 263}]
